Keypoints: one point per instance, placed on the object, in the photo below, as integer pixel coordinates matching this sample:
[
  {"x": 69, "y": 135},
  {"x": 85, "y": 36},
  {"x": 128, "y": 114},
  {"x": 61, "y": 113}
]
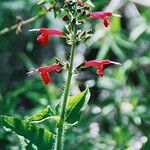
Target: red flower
[
  {"x": 80, "y": 3},
  {"x": 45, "y": 33},
  {"x": 99, "y": 64},
  {"x": 103, "y": 15},
  {"x": 44, "y": 71}
]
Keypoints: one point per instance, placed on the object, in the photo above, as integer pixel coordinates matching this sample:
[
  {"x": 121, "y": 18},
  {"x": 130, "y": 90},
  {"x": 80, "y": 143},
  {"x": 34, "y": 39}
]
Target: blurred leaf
[
  {"x": 42, "y": 138},
  {"x": 41, "y": 2},
  {"x": 42, "y": 11},
  {"x": 52, "y": 1},
  {"x": 125, "y": 42},
  {"x": 42, "y": 115},
  {"x": 57, "y": 12},
  {"x": 109, "y": 83},
  {"x": 115, "y": 24},
  {"x": 104, "y": 48},
  {"x": 116, "y": 49},
  {"x": 137, "y": 31},
  {"x": 121, "y": 136},
  {"x": 89, "y": 3},
  {"x": 26, "y": 60},
  {"x": 75, "y": 105},
  {"x": 142, "y": 2}
]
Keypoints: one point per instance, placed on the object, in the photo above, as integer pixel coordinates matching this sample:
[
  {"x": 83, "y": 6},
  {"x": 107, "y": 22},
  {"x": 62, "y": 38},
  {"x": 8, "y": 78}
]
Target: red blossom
[
  {"x": 65, "y": 18},
  {"x": 87, "y": 8},
  {"x": 99, "y": 64},
  {"x": 44, "y": 71},
  {"x": 45, "y": 33},
  {"x": 80, "y": 3},
  {"x": 42, "y": 39},
  {"x": 102, "y": 15}
]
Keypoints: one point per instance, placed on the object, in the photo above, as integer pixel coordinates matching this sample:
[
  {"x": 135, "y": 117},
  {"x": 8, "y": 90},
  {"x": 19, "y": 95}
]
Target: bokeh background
[{"x": 118, "y": 116}]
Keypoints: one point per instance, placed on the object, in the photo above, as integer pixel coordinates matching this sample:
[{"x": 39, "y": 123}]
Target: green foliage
[
  {"x": 120, "y": 106},
  {"x": 42, "y": 115},
  {"x": 76, "y": 104},
  {"x": 42, "y": 138}
]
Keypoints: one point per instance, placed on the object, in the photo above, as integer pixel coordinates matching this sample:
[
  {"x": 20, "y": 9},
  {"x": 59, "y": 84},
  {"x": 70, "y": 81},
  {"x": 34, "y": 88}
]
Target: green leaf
[
  {"x": 89, "y": 3},
  {"x": 116, "y": 24},
  {"x": 42, "y": 11},
  {"x": 117, "y": 51},
  {"x": 40, "y": 137},
  {"x": 76, "y": 104},
  {"x": 41, "y": 2},
  {"x": 52, "y": 2},
  {"x": 105, "y": 46},
  {"x": 42, "y": 115},
  {"x": 57, "y": 12}
]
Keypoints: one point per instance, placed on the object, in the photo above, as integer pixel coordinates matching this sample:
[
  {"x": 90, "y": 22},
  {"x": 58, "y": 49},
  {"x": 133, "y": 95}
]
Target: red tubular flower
[
  {"x": 99, "y": 64},
  {"x": 44, "y": 71},
  {"x": 45, "y": 33},
  {"x": 42, "y": 39},
  {"x": 103, "y": 15}
]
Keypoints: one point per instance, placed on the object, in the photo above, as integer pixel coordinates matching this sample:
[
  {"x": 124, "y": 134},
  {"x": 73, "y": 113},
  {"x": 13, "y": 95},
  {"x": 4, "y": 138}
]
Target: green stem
[{"x": 60, "y": 131}]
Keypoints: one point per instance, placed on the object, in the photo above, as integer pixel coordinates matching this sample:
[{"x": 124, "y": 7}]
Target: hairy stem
[{"x": 60, "y": 132}]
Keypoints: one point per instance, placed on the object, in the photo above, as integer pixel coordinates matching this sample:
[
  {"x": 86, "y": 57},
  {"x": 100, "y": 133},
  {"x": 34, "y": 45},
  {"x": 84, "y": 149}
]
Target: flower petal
[
  {"x": 106, "y": 22},
  {"x": 42, "y": 39},
  {"x": 100, "y": 71},
  {"x": 45, "y": 77},
  {"x": 51, "y": 31}
]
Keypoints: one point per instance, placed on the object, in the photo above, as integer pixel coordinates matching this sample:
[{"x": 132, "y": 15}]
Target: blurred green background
[{"x": 118, "y": 116}]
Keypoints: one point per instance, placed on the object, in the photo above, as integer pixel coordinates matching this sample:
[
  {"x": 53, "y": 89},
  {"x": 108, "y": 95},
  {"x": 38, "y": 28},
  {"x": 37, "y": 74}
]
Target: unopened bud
[
  {"x": 87, "y": 8},
  {"x": 74, "y": 21},
  {"x": 79, "y": 10},
  {"x": 84, "y": 13},
  {"x": 65, "y": 18},
  {"x": 80, "y": 3}
]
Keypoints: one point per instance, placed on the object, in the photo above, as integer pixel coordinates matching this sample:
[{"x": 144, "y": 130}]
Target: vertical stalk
[{"x": 60, "y": 131}]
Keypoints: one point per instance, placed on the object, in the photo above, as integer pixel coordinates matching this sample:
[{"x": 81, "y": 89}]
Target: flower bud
[
  {"x": 79, "y": 3},
  {"x": 84, "y": 13},
  {"x": 78, "y": 10},
  {"x": 65, "y": 18},
  {"x": 87, "y": 8},
  {"x": 74, "y": 21}
]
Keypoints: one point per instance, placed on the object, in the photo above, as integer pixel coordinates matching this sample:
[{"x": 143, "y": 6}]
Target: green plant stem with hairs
[{"x": 60, "y": 131}]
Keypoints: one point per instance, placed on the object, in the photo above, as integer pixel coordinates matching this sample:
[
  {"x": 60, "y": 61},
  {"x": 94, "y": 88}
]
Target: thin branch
[
  {"x": 19, "y": 25},
  {"x": 5, "y": 30}
]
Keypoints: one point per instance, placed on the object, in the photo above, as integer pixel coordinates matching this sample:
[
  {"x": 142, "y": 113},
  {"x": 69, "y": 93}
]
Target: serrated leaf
[
  {"x": 42, "y": 115},
  {"x": 40, "y": 137},
  {"x": 76, "y": 104}
]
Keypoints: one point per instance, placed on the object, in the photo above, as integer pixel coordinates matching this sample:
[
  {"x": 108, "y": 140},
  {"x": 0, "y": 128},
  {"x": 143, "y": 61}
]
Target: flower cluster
[{"x": 83, "y": 12}]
